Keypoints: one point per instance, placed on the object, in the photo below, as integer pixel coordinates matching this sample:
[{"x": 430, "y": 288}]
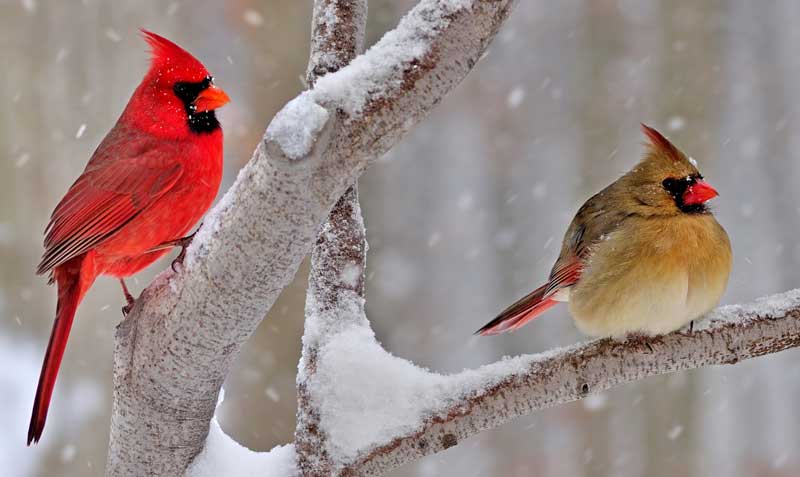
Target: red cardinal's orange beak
[
  {"x": 210, "y": 98},
  {"x": 698, "y": 193}
]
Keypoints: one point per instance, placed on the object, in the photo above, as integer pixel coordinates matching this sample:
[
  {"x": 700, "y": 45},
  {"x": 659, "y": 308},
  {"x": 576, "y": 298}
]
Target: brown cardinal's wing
[
  {"x": 109, "y": 193},
  {"x": 597, "y": 218},
  {"x": 593, "y": 221},
  {"x": 536, "y": 302}
]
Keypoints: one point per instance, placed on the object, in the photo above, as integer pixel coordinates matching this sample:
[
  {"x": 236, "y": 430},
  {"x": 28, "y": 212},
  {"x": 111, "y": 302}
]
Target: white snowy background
[{"x": 463, "y": 217}]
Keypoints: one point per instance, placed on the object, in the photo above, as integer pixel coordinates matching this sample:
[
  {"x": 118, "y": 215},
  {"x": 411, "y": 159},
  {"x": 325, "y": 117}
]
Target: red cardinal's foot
[
  {"x": 179, "y": 259},
  {"x": 128, "y": 297},
  {"x": 182, "y": 242}
]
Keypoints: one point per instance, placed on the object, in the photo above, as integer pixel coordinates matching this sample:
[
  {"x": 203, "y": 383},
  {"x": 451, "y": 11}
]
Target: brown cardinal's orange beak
[
  {"x": 698, "y": 193},
  {"x": 210, "y": 98}
]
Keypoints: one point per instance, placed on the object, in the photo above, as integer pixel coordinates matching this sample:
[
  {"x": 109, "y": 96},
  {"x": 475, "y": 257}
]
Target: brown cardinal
[
  {"x": 642, "y": 256},
  {"x": 150, "y": 180}
]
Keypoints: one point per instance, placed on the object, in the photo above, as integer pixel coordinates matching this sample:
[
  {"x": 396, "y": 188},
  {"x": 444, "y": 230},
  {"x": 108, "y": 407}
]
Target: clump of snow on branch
[
  {"x": 367, "y": 78},
  {"x": 295, "y": 128},
  {"x": 322, "y": 323},
  {"x": 224, "y": 456},
  {"x": 366, "y": 397},
  {"x": 371, "y": 75},
  {"x": 351, "y": 275}
]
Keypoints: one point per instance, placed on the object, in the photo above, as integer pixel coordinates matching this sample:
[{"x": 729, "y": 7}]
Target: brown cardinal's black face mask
[{"x": 690, "y": 193}]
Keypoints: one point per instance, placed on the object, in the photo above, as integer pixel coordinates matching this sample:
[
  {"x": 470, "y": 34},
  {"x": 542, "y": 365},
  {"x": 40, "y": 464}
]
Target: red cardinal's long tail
[
  {"x": 515, "y": 316},
  {"x": 71, "y": 288}
]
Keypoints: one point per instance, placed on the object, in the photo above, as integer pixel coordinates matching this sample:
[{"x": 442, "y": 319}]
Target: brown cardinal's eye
[
  {"x": 677, "y": 186},
  {"x": 672, "y": 185}
]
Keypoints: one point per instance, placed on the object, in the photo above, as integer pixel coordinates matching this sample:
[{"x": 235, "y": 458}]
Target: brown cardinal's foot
[
  {"x": 182, "y": 242},
  {"x": 641, "y": 339},
  {"x": 128, "y": 297}
]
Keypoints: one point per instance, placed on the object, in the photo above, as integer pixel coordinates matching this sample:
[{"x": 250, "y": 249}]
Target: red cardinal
[{"x": 151, "y": 179}]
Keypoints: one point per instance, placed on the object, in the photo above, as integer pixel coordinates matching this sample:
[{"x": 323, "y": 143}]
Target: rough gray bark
[
  {"x": 334, "y": 43},
  {"x": 342, "y": 241},
  {"x": 174, "y": 349}
]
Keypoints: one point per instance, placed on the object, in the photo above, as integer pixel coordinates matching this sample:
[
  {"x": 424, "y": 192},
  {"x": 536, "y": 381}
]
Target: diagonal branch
[{"x": 176, "y": 346}]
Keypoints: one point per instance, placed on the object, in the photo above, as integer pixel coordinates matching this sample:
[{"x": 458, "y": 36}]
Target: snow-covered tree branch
[
  {"x": 174, "y": 349},
  {"x": 381, "y": 412},
  {"x": 338, "y": 260},
  {"x": 361, "y": 410}
]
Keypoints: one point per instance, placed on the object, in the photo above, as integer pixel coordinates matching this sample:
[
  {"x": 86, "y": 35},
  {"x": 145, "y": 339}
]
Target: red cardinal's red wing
[{"x": 104, "y": 198}]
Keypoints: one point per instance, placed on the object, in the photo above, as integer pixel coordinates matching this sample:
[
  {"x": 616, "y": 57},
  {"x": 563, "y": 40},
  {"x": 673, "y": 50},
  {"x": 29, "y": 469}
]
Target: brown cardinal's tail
[
  {"x": 71, "y": 288},
  {"x": 515, "y": 316}
]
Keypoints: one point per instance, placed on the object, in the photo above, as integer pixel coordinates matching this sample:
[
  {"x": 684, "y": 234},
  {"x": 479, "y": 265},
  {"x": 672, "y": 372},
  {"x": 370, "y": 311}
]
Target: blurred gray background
[{"x": 463, "y": 217}]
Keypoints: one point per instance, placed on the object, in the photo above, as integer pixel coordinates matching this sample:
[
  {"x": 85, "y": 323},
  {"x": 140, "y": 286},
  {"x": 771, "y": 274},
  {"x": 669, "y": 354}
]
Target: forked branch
[{"x": 176, "y": 346}]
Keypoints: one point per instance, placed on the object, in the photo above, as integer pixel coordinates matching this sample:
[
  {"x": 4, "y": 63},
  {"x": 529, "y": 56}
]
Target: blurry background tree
[{"x": 495, "y": 174}]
